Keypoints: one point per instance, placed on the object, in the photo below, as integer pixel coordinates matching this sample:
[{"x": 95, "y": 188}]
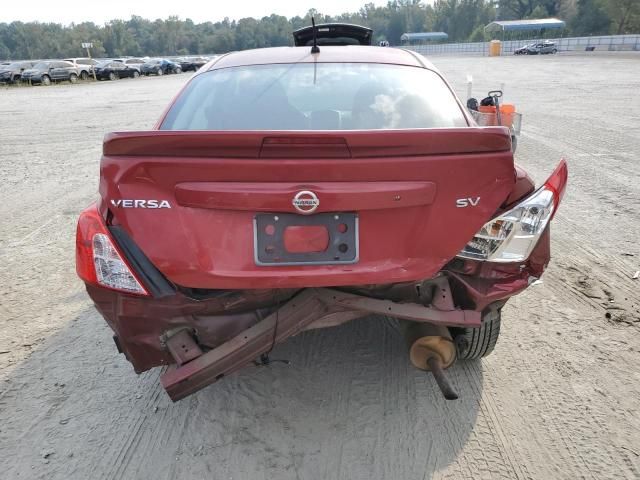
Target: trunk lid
[{"x": 408, "y": 201}]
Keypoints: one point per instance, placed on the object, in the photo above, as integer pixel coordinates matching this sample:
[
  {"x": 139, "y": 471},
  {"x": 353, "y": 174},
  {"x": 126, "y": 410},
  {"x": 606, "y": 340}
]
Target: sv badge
[{"x": 467, "y": 202}]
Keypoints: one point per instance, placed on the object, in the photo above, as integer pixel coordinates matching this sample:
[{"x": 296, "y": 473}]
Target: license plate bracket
[{"x": 269, "y": 245}]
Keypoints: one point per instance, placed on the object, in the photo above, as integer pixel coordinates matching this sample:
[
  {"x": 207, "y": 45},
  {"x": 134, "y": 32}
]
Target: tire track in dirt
[{"x": 490, "y": 406}]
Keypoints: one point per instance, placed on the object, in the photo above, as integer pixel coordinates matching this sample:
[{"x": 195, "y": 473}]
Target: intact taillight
[
  {"x": 98, "y": 260},
  {"x": 512, "y": 236}
]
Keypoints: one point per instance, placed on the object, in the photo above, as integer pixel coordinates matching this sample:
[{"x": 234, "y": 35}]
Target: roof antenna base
[{"x": 315, "y": 48}]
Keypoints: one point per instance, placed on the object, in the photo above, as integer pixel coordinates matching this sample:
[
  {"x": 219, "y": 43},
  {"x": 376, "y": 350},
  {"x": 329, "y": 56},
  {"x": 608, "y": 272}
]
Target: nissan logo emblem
[{"x": 306, "y": 202}]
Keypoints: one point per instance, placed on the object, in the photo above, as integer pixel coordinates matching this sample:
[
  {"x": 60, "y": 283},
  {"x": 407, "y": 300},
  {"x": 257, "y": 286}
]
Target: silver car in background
[
  {"x": 542, "y": 48},
  {"x": 84, "y": 65}
]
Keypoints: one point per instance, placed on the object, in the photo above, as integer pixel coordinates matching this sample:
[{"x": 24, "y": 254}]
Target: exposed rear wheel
[
  {"x": 136, "y": 74},
  {"x": 84, "y": 75},
  {"x": 473, "y": 343},
  {"x": 46, "y": 80},
  {"x": 112, "y": 76},
  {"x": 159, "y": 72},
  {"x": 73, "y": 78},
  {"x": 178, "y": 70}
]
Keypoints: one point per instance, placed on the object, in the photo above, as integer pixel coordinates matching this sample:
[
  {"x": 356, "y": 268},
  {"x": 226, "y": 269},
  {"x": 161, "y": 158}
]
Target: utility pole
[{"x": 89, "y": 46}]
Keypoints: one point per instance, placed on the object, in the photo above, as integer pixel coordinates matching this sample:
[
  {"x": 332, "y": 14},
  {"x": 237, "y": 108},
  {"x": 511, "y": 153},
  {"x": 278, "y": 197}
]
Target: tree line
[{"x": 462, "y": 20}]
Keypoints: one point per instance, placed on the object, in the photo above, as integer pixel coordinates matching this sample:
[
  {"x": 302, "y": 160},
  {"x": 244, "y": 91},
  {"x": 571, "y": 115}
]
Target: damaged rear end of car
[{"x": 212, "y": 242}]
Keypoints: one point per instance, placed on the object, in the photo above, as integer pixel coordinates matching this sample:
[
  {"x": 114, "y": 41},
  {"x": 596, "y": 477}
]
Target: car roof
[{"x": 328, "y": 54}]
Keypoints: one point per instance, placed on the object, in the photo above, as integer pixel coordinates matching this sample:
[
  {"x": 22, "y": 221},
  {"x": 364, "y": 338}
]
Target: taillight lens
[
  {"x": 98, "y": 260},
  {"x": 511, "y": 236}
]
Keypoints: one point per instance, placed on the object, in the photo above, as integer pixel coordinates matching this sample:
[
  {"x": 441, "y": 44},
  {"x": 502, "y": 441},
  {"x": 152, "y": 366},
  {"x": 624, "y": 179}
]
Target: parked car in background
[
  {"x": 49, "y": 71},
  {"x": 537, "y": 48},
  {"x": 132, "y": 62},
  {"x": 192, "y": 64},
  {"x": 113, "y": 70},
  {"x": 160, "y": 66},
  {"x": 84, "y": 65},
  {"x": 11, "y": 72},
  {"x": 523, "y": 50}
]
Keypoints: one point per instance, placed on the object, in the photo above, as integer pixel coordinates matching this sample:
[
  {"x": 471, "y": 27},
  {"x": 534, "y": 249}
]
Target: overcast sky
[{"x": 67, "y": 11}]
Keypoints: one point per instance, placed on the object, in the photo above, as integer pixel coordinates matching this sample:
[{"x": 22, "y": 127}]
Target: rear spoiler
[{"x": 306, "y": 144}]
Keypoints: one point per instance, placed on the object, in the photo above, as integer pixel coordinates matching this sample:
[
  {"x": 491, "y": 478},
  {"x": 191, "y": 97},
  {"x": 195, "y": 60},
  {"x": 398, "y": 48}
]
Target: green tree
[
  {"x": 518, "y": 9},
  {"x": 591, "y": 19},
  {"x": 625, "y": 15},
  {"x": 460, "y": 18}
]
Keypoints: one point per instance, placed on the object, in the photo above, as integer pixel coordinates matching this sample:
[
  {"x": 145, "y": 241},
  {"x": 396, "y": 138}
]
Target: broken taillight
[
  {"x": 98, "y": 260},
  {"x": 512, "y": 235}
]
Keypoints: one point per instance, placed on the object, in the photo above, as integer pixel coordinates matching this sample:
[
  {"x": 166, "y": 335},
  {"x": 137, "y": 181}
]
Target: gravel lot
[{"x": 558, "y": 399}]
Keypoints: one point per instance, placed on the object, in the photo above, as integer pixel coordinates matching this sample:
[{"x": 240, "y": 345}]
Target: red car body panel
[
  {"x": 402, "y": 235},
  {"x": 347, "y": 54}
]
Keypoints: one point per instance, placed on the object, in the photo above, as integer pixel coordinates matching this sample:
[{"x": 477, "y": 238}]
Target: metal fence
[{"x": 610, "y": 43}]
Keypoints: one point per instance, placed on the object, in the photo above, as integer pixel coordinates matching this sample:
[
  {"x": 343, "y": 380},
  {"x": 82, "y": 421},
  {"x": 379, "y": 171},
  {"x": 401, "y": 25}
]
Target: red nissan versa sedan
[{"x": 285, "y": 190}]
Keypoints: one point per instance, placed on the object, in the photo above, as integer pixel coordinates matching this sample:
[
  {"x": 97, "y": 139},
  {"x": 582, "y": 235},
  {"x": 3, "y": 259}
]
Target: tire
[
  {"x": 159, "y": 72},
  {"x": 474, "y": 343},
  {"x": 178, "y": 70},
  {"x": 112, "y": 76},
  {"x": 136, "y": 74},
  {"x": 73, "y": 78},
  {"x": 45, "y": 80},
  {"x": 554, "y": 51},
  {"x": 84, "y": 75}
]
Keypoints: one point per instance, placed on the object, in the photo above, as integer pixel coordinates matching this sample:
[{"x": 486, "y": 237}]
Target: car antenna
[{"x": 315, "y": 48}]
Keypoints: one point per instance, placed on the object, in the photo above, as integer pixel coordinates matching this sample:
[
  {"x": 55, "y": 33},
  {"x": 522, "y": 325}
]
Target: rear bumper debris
[
  {"x": 298, "y": 313},
  {"x": 205, "y": 335}
]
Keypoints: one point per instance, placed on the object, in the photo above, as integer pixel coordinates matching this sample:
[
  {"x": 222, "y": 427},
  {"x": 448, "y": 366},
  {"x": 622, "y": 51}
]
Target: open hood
[{"x": 333, "y": 34}]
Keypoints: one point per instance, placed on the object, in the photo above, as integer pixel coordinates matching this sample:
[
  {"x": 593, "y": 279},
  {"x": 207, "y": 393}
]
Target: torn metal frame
[{"x": 299, "y": 313}]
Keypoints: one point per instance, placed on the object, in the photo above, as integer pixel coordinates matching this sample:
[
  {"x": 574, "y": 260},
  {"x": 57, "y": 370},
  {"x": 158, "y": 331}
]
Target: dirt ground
[{"x": 558, "y": 399}]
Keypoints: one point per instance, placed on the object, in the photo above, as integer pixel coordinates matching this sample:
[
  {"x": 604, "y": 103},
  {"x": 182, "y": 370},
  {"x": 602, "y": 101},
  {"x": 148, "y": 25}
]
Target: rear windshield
[{"x": 322, "y": 96}]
